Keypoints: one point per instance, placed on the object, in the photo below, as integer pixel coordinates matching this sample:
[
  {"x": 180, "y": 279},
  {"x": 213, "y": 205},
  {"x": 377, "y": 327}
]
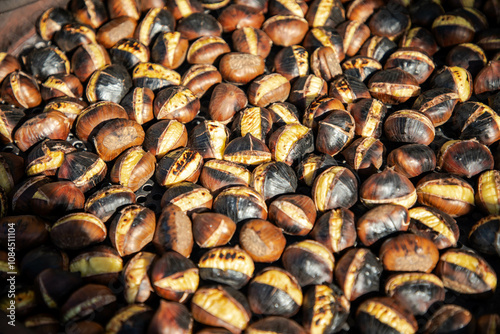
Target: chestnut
[
  {"x": 87, "y": 59},
  {"x": 20, "y": 90},
  {"x": 365, "y": 155},
  {"x": 135, "y": 316},
  {"x": 432, "y": 191},
  {"x": 455, "y": 78},
  {"x": 370, "y": 316},
  {"x": 409, "y": 126},
  {"x": 421, "y": 39},
  {"x": 485, "y": 83},
  {"x": 247, "y": 150},
  {"x": 413, "y": 61},
  {"x": 487, "y": 196},
  {"x": 72, "y": 35},
  {"x": 267, "y": 89},
  {"x": 218, "y": 174},
  {"x": 100, "y": 264},
  {"x": 154, "y": 76},
  {"x": 77, "y": 231},
  {"x": 313, "y": 165},
  {"x": 174, "y": 277},
  {"x": 54, "y": 286},
  {"x": 46, "y": 157},
  {"x": 41, "y": 258},
  {"x": 437, "y": 104},
  {"x": 120, "y": 8},
  {"x": 274, "y": 291},
  {"x": 240, "y": 68},
  {"x": 207, "y": 49},
  {"x": 325, "y": 37},
  {"x": 354, "y": 34},
  {"x": 417, "y": 291},
  {"x": 189, "y": 197},
  {"x": 92, "y": 13},
  {"x": 104, "y": 202},
  {"x": 393, "y": 86},
  {"x": 336, "y": 230},
  {"x": 171, "y": 316},
  {"x": 95, "y": 114},
  {"x": 115, "y": 30},
  {"x": 487, "y": 323},
  {"x": 294, "y": 213},
  {"x": 450, "y": 318},
  {"x": 225, "y": 101},
  {"x": 476, "y": 120},
  {"x": 133, "y": 168},
  {"x": 325, "y": 13},
  {"x": 336, "y": 187},
  {"x": 396, "y": 189},
  {"x": 115, "y": 136},
  {"x": 173, "y": 231},
  {"x": 240, "y": 203},
  {"x": 452, "y": 29},
  {"x": 165, "y": 136},
  {"x": 378, "y": 48},
  {"x": 10, "y": 118},
  {"x": 212, "y": 229},
  {"x": 169, "y": 49},
  {"x": 221, "y": 306},
  {"x": 42, "y": 322},
  {"x": 325, "y": 63},
  {"x": 129, "y": 52},
  {"x": 358, "y": 273},
  {"x": 71, "y": 107},
  {"x": 155, "y": 22},
  {"x": 135, "y": 276},
  {"x": 285, "y": 30},
  {"x": 306, "y": 89},
  {"x": 85, "y": 169},
  {"x": 263, "y": 241},
  {"x": 183, "y": 8},
  {"x": 45, "y": 62},
  {"x": 457, "y": 267},
  {"x": 348, "y": 89},
  {"x": 423, "y": 13},
  {"x": 361, "y": 67},
  {"x": 52, "y": 125},
  {"x": 361, "y": 10},
  {"x": 210, "y": 139},
  {"x": 110, "y": 83},
  {"x": 252, "y": 40},
  {"x": 24, "y": 191},
  {"x": 483, "y": 235},
  {"x": 31, "y": 231},
  {"x": 309, "y": 262},
  {"x": 274, "y": 178},
  {"x": 467, "y": 55},
  {"x": 183, "y": 164},
  {"x": 325, "y": 309},
  {"x": 283, "y": 113},
  {"x": 131, "y": 229},
  {"x": 197, "y": 25},
  {"x": 412, "y": 160},
  {"x": 275, "y": 325},
  {"x": 227, "y": 265},
  {"x": 56, "y": 198},
  {"x": 390, "y": 21},
  {"x": 238, "y": 16},
  {"x": 381, "y": 221},
  {"x": 292, "y": 62},
  {"x": 61, "y": 85},
  {"x": 291, "y": 143},
  {"x": 50, "y": 21},
  {"x": 319, "y": 109},
  {"x": 92, "y": 299},
  {"x": 465, "y": 158},
  {"x": 138, "y": 103},
  {"x": 200, "y": 78}
]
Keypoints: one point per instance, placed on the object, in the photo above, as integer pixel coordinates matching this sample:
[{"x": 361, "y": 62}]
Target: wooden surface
[{"x": 17, "y": 21}]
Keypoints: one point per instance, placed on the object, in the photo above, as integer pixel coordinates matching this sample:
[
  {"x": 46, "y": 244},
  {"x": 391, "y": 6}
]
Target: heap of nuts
[{"x": 324, "y": 166}]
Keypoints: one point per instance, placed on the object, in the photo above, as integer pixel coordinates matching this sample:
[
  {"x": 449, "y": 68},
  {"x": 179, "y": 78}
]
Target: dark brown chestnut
[
  {"x": 393, "y": 86},
  {"x": 115, "y": 30},
  {"x": 336, "y": 230},
  {"x": 354, "y": 35},
  {"x": 154, "y": 76},
  {"x": 92, "y": 13},
  {"x": 475, "y": 120},
  {"x": 325, "y": 13},
  {"x": 263, "y": 241},
  {"x": 197, "y": 25},
  {"x": 274, "y": 178},
  {"x": 252, "y": 40},
  {"x": 183, "y": 164},
  {"x": 336, "y": 187},
  {"x": 455, "y": 78},
  {"x": 319, "y": 109},
  {"x": 95, "y": 114},
  {"x": 87, "y": 59},
  {"x": 409, "y": 126},
  {"x": 77, "y": 231},
  {"x": 110, "y": 83},
  {"x": 484, "y": 235},
  {"x": 93, "y": 300},
  {"x": 325, "y": 63},
  {"x": 390, "y": 21},
  {"x": 306, "y": 89},
  {"x": 382, "y": 221},
  {"x": 292, "y": 62},
  {"x": 189, "y": 197},
  {"x": 129, "y": 52},
  {"x": 212, "y": 229},
  {"x": 256, "y": 121},
  {"x": 200, "y": 78},
  {"x": 100, "y": 264},
  {"x": 84, "y": 169},
  {"x": 31, "y": 231},
  {"x": 467, "y": 55},
  {"x": 370, "y": 316},
  {"x": 50, "y": 21},
  {"x": 284, "y": 113},
  {"x": 274, "y": 325},
  {"x": 365, "y": 155},
  {"x": 450, "y": 318},
  {"x": 155, "y": 22},
  {"x": 173, "y": 231},
  {"x": 218, "y": 174},
  {"x": 135, "y": 316},
  {"x": 171, "y": 315},
  {"x": 486, "y": 82},
  {"x": 361, "y": 67},
  {"x": 378, "y": 47},
  {"x": 464, "y": 158},
  {"x": 115, "y": 136},
  {"x": 437, "y": 104},
  {"x": 170, "y": 49},
  {"x": 238, "y": 16},
  {"x": 72, "y": 35},
  {"x": 247, "y": 150},
  {"x": 138, "y": 103},
  {"x": 285, "y": 30},
  {"x": 412, "y": 60},
  {"x": 267, "y": 89},
  {"x": 291, "y": 143},
  {"x": 324, "y": 37},
  {"x": 450, "y": 29},
  {"x": 348, "y": 89},
  {"x": 104, "y": 202},
  {"x": 20, "y": 90},
  {"x": 412, "y": 160},
  {"x": 46, "y": 157},
  {"x": 10, "y": 118},
  {"x": 334, "y": 132},
  {"x": 295, "y": 213},
  {"x": 133, "y": 168},
  {"x": 61, "y": 85},
  {"x": 421, "y": 39},
  {"x": 54, "y": 286},
  {"x": 250, "y": 204}
]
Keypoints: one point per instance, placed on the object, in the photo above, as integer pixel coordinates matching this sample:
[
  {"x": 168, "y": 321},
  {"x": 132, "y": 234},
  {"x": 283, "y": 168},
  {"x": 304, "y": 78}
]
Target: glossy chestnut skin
[
  {"x": 336, "y": 187},
  {"x": 189, "y": 197},
  {"x": 381, "y": 221},
  {"x": 174, "y": 277},
  {"x": 173, "y": 231},
  {"x": 467, "y": 55},
  {"x": 77, "y": 231},
  {"x": 165, "y": 136},
  {"x": 348, "y": 89},
  {"x": 274, "y": 178},
  {"x": 104, "y": 202},
  {"x": 435, "y": 225},
  {"x": 285, "y": 30},
  {"x": 72, "y": 35},
  {"x": 108, "y": 268},
  {"x": 404, "y": 287},
  {"x": 183, "y": 164},
  {"x": 56, "y": 285},
  {"x": 295, "y": 213},
  {"x": 389, "y": 21},
  {"x": 378, "y": 47},
  {"x": 325, "y": 63},
  {"x": 306, "y": 89},
  {"x": 324, "y": 37},
  {"x": 154, "y": 76},
  {"x": 10, "y": 117},
  {"x": 209, "y": 138},
  {"x": 21, "y": 90},
  {"x": 437, "y": 104},
  {"x": 225, "y": 101},
  {"x": 283, "y": 113},
  {"x": 319, "y": 109},
  {"x": 451, "y": 318},
  {"x": 476, "y": 120},
  {"x": 457, "y": 266},
  {"x": 138, "y": 103},
  {"x": 131, "y": 229},
  {"x": 421, "y": 39},
  {"x": 50, "y": 21},
  {"x": 133, "y": 168},
  {"x": 397, "y": 189},
  {"x": 267, "y": 89},
  {"x": 94, "y": 299},
  {"x": 485, "y": 83},
  {"x": 227, "y": 265},
  {"x": 361, "y": 67},
  {"x": 218, "y": 174},
  {"x": 129, "y": 52},
  {"x": 240, "y": 68},
  {"x": 96, "y": 114},
  {"x": 85, "y": 169},
  {"x": 247, "y": 150},
  {"x": 200, "y": 78},
  {"x": 455, "y": 78},
  {"x": 322, "y": 13},
  {"x": 393, "y": 86},
  {"x": 274, "y": 291},
  {"x": 110, "y": 83},
  {"x": 238, "y": 16},
  {"x": 136, "y": 316},
  {"x": 52, "y": 125},
  {"x": 483, "y": 235},
  {"x": 292, "y": 62},
  {"x": 263, "y": 241},
  {"x": 212, "y": 229},
  {"x": 365, "y": 155},
  {"x": 369, "y": 317},
  {"x": 309, "y": 262},
  {"x": 412, "y": 60},
  {"x": 47, "y": 61},
  {"x": 207, "y": 49},
  {"x": 135, "y": 277},
  {"x": 409, "y": 126},
  {"x": 275, "y": 325},
  {"x": 169, "y": 49},
  {"x": 431, "y": 191},
  {"x": 452, "y": 29},
  {"x": 354, "y": 35},
  {"x": 464, "y": 158},
  {"x": 358, "y": 272},
  {"x": 61, "y": 85},
  {"x": 486, "y": 197},
  {"x": 156, "y": 21},
  {"x": 368, "y": 115},
  {"x": 92, "y": 13},
  {"x": 87, "y": 59}
]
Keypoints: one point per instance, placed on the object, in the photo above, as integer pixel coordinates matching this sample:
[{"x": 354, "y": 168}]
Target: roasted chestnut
[
  {"x": 413, "y": 61},
  {"x": 45, "y": 158},
  {"x": 173, "y": 316},
  {"x": 336, "y": 187},
  {"x": 336, "y": 230},
  {"x": 138, "y": 103},
  {"x": 210, "y": 139},
  {"x": 325, "y": 13},
  {"x": 285, "y": 30},
  {"x": 325, "y": 63},
  {"x": 294, "y": 213},
  {"x": 72, "y": 35},
  {"x": 225, "y": 101},
  {"x": 84, "y": 169},
  {"x": 10, "y": 118},
  {"x": 455, "y": 78},
  {"x": 30, "y": 230},
  {"x": 115, "y": 30},
  {"x": 165, "y": 136},
  {"x": 218, "y": 174},
  {"x": 382, "y": 221},
  {"x": 274, "y": 325},
  {"x": 110, "y": 83},
  {"x": 390, "y": 21},
  {"x": 393, "y": 86},
  {"x": 104, "y": 202},
  {"x": 252, "y": 40},
  {"x": 485, "y": 83},
  {"x": 306, "y": 89},
  {"x": 189, "y": 197},
  {"x": 263, "y": 241},
  {"x": 467, "y": 55},
  {"x": 133, "y": 168},
  {"x": 354, "y": 34},
  {"x": 319, "y": 109},
  {"x": 21, "y": 90},
  {"x": 238, "y": 16},
  {"x": 100, "y": 264},
  {"x": 206, "y": 50},
  {"x": 361, "y": 67},
  {"x": 450, "y": 318},
  {"x": 56, "y": 198},
  {"x": 483, "y": 235},
  {"x": 129, "y": 52},
  {"x": 77, "y": 231},
  {"x": 437, "y": 104},
  {"x": 169, "y": 49},
  {"x": 464, "y": 158},
  {"x": 292, "y": 62},
  {"x": 409, "y": 126},
  {"x": 138, "y": 317},
  {"x": 197, "y": 25},
  {"x": 436, "y": 225},
  {"x": 92, "y": 299},
  {"x": 291, "y": 143},
  {"x": 154, "y": 76},
  {"x": 365, "y": 155},
  {"x": 487, "y": 196},
  {"x": 173, "y": 231},
  {"x": 200, "y": 78},
  {"x": 274, "y": 178},
  {"x": 96, "y": 114},
  {"x": 370, "y": 316},
  {"x": 378, "y": 47},
  {"x": 183, "y": 164},
  {"x": 267, "y": 89},
  {"x": 135, "y": 275},
  {"x": 50, "y": 22},
  {"x": 421, "y": 39},
  {"x": 212, "y": 229},
  {"x": 348, "y": 89},
  {"x": 87, "y": 59},
  {"x": 452, "y": 29},
  {"x": 156, "y": 21},
  {"x": 476, "y": 120},
  {"x": 247, "y": 150},
  {"x": 54, "y": 286}
]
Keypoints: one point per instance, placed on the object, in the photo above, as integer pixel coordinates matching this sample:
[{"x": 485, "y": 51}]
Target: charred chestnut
[
  {"x": 435, "y": 225},
  {"x": 336, "y": 187},
  {"x": 154, "y": 76},
  {"x": 452, "y": 29},
  {"x": 382, "y": 221},
  {"x": 165, "y": 136},
  {"x": 91, "y": 299},
  {"x": 173, "y": 316},
  {"x": 413, "y": 61},
  {"x": 156, "y": 21},
  {"x": 129, "y": 52},
  {"x": 437, "y": 104},
  {"x": 456, "y": 78},
  {"x": 77, "y": 231},
  {"x": 87, "y": 59},
  {"x": 183, "y": 164},
  {"x": 476, "y": 120},
  {"x": 84, "y": 169},
  {"x": 365, "y": 155},
  {"x": 218, "y": 174},
  {"x": 267, "y": 89},
  {"x": 197, "y": 25},
  {"x": 450, "y": 318},
  {"x": 247, "y": 150},
  {"x": 46, "y": 157},
  {"x": 393, "y": 86},
  {"x": 133, "y": 168},
  {"x": 100, "y": 264},
  {"x": 189, "y": 197},
  {"x": 348, "y": 89},
  {"x": 291, "y": 143},
  {"x": 370, "y": 316},
  {"x": 173, "y": 231},
  {"x": 464, "y": 158},
  {"x": 409, "y": 126},
  {"x": 51, "y": 21},
  {"x": 110, "y": 83},
  {"x": 210, "y": 139},
  {"x": 484, "y": 235},
  {"x": 170, "y": 49},
  {"x": 61, "y": 85},
  {"x": 96, "y": 114},
  {"x": 273, "y": 178},
  {"x": 104, "y": 202},
  {"x": 487, "y": 197}
]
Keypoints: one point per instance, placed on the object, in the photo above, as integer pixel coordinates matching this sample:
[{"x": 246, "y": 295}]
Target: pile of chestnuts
[{"x": 253, "y": 166}]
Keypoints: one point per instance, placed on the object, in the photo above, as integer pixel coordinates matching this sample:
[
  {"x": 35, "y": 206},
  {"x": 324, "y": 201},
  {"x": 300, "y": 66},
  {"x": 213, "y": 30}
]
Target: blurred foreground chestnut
[
  {"x": 370, "y": 316},
  {"x": 483, "y": 235},
  {"x": 487, "y": 196},
  {"x": 94, "y": 299},
  {"x": 99, "y": 264},
  {"x": 173, "y": 316},
  {"x": 450, "y": 318}
]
